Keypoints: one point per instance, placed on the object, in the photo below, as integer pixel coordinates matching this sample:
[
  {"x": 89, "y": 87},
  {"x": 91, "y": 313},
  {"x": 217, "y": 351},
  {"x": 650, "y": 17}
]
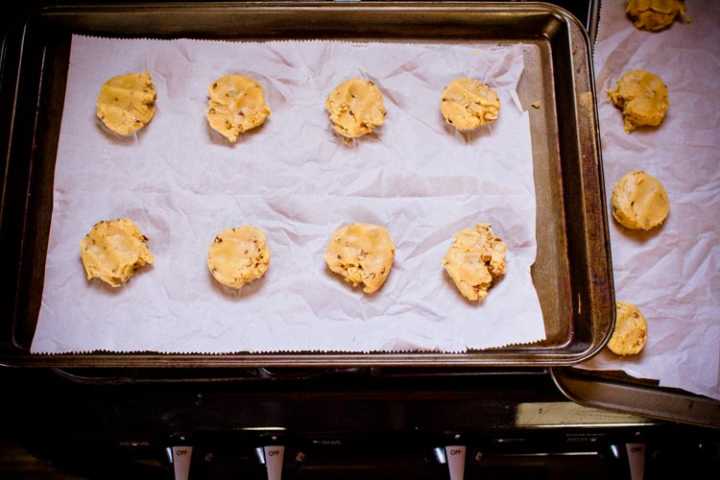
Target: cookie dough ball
[
  {"x": 639, "y": 201},
  {"x": 113, "y": 250},
  {"x": 654, "y": 15},
  {"x": 236, "y": 104},
  {"x": 475, "y": 260},
  {"x": 126, "y": 103},
  {"x": 356, "y": 108},
  {"x": 643, "y": 98},
  {"x": 630, "y": 332},
  {"x": 362, "y": 254},
  {"x": 238, "y": 256},
  {"x": 468, "y": 104}
]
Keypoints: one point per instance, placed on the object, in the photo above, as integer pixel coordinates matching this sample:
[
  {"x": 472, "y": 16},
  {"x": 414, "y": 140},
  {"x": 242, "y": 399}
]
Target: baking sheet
[
  {"x": 182, "y": 184},
  {"x": 672, "y": 274}
]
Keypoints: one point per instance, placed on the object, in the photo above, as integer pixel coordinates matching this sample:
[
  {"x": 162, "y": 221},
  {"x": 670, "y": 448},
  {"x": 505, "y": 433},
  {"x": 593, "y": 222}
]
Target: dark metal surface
[
  {"x": 368, "y": 425},
  {"x": 572, "y": 273}
]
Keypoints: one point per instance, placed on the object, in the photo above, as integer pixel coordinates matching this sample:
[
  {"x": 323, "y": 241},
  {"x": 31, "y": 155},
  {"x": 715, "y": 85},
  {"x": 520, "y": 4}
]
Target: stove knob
[
  {"x": 181, "y": 462},
  {"x": 274, "y": 461},
  {"x": 636, "y": 460},
  {"x": 455, "y": 455}
]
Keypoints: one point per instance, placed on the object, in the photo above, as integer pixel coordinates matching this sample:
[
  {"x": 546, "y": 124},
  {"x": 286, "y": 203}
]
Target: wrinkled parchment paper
[
  {"x": 182, "y": 183},
  {"x": 672, "y": 274}
]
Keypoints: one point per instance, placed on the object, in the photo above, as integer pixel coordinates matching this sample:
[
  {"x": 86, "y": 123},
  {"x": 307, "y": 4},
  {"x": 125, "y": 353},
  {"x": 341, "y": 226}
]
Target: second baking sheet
[
  {"x": 295, "y": 179},
  {"x": 673, "y": 272}
]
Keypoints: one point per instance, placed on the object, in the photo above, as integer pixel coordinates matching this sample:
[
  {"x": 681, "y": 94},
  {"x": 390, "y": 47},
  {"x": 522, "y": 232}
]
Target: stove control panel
[{"x": 548, "y": 455}]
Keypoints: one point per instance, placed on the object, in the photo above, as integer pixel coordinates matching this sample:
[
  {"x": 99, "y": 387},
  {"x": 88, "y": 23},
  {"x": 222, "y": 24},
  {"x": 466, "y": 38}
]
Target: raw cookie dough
[
  {"x": 639, "y": 201},
  {"x": 126, "y": 103},
  {"x": 355, "y": 108},
  {"x": 475, "y": 260},
  {"x": 361, "y": 253},
  {"x": 238, "y": 256},
  {"x": 113, "y": 250},
  {"x": 643, "y": 98},
  {"x": 654, "y": 15},
  {"x": 630, "y": 330},
  {"x": 468, "y": 104},
  {"x": 236, "y": 104}
]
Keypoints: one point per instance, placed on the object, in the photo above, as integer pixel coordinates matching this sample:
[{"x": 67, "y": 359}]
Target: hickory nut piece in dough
[
  {"x": 238, "y": 256},
  {"x": 639, "y": 201},
  {"x": 362, "y": 254},
  {"x": 654, "y": 15},
  {"x": 355, "y": 108},
  {"x": 643, "y": 98},
  {"x": 630, "y": 332},
  {"x": 475, "y": 260},
  {"x": 468, "y": 104},
  {"x": 236, "y": 104},
  {"x": 126, "y": 103},
  {"x": 113, "y": 250}
]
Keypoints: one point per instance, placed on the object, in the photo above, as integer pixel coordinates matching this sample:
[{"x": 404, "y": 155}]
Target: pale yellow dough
[
  {"x": 654, "y": 15},
  {"x": 238, "y": 256},
  {"x": 362, "y": 254},
  {"x": 356, "y": 108},
  {"x": 126, "y": 103},
  {"x": 468, "y": 104},
  {"x": 475, "y": 260},
  {"x": 236, "y": 104},
  {"x": 630, "y": 332},
  {"x": 643, "y": 98},
  {"x": 639, "y": 201},
  {"x": 113, "y": 250}
]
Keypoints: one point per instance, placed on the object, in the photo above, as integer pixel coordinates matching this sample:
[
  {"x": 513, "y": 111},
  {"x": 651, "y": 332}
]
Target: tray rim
[
  {"x": 630, "y": 395},
  {"x": 480, "y": 358}
]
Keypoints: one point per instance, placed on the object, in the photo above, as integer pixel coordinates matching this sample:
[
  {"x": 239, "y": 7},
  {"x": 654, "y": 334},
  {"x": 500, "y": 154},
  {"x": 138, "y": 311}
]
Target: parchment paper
[
  {"x": 182, "y": 183},
  {"x": 672, "y": 274}
]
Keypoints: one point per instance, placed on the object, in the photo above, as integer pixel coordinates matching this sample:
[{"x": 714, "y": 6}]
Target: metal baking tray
[
  {"x": 618, "y": 391},
  {"x": 572, "y": 273}
]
